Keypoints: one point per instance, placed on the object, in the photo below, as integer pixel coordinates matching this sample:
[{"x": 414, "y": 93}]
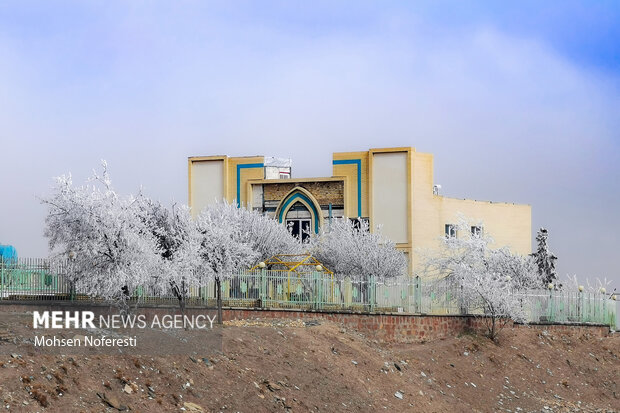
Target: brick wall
[
  {"x": 402, "y": 328},
  {"x": 325, "y": 192},
  {"x": 383, "y": 327}
]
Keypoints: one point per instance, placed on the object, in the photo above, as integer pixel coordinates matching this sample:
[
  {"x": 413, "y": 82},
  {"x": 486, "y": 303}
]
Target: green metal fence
[
  {"x": 43, "y": 279},
  {"x": 569, "y": 307},
  {"x": 28, "y": 278}
]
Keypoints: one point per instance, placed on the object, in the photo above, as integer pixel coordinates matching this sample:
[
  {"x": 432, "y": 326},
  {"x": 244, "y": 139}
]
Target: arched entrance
[{"x": 300, "y": 212}]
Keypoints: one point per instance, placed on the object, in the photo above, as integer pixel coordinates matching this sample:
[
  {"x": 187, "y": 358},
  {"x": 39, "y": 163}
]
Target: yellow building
[{"x": 391, "y": 187}]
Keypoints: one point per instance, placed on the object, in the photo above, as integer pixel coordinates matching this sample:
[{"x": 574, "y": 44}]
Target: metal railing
[
  {"x": 568, "y": 307},
  {"x": 28, "y": 278},
  {"x": 44, "y": 279}
]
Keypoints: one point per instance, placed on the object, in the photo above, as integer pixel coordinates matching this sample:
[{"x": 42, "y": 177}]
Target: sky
[{"x": 518, "y": 101}]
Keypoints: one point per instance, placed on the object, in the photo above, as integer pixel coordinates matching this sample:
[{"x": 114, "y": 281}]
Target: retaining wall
[{"x": 403, "y": 328}]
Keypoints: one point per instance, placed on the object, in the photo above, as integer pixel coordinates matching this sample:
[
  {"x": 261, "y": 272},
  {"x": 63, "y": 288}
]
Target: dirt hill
[{"x": 289, "y": 365}]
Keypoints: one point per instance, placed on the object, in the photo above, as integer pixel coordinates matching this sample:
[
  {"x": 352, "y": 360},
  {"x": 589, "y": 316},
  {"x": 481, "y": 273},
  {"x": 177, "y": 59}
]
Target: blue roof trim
[
  {"x": 244, "y": 166},
  {"x": 357, "y": 162}
]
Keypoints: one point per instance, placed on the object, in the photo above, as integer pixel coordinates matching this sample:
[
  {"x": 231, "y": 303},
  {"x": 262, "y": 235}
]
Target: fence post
[
  {"x": 319, "y": 280},
  {"x": 203, "y": 291},
  {"x": 417, "y": 286},
  {"x": 72, "y": 282},
  {"x": 315, "y": 292},
  {"x": 551, "y": 315},
  {"x": 372, "y": 293},
  {"x": 317, "y": 289},
  {"x": 71, "y": 266},
  {"x": 1, "y": 278},
  {"x": 263, "y": 287}
]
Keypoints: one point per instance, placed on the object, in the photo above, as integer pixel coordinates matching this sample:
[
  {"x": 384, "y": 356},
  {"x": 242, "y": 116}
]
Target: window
[
  {"x": 299, "y": 221},
  {"x": 357, "y": 222},
  {"x": 450, "y": 231},
  {"x": 299, "y": 228},
  {"x": 476, "y": 231}
]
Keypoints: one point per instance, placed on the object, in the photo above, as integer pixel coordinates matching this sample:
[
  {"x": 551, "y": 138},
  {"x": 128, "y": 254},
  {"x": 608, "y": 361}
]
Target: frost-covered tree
[
  {"x": 265, "y": 235},
  {"x": 349, "y": 248},
  {"x": 487, "y": 277},
  {"x": 178, "y": 242},
  {"x": 521, "y": 269},
  {"x": 120, "y": 243},
  {"x": 545, "y": 260},
  {"x": 224, "y": 248},
  {"x": 112, "y": 250}
]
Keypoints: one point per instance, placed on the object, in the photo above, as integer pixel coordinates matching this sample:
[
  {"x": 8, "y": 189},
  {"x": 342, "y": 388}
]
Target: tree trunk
[
  {"x": 180, "y": 294},
  {"x": 182, "y": 299},
  {"x": 218, "y": 295},
  {"x": 124, "y": 305}
]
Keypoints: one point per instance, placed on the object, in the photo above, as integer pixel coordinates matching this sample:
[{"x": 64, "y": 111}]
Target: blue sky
[{"x": 518, "y": 101}]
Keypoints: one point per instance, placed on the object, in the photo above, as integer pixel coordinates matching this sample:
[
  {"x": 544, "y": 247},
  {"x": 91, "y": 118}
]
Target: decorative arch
[{"x": 302, "y": 195}]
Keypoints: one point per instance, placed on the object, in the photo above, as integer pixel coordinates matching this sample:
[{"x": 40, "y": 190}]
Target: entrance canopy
[{"x": 298, "y": 263}]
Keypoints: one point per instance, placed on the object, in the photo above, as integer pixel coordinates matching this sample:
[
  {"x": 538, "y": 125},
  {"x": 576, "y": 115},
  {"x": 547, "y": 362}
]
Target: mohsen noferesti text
[{"x": 85, "y": 341}]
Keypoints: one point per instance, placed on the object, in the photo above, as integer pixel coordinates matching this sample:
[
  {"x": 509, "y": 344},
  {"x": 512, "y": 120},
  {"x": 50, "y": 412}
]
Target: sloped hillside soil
[{"x": 289, "y": 365}]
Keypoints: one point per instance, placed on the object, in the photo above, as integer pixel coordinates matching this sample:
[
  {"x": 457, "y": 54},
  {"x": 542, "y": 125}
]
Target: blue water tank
[{"x": 8, "y": 253}]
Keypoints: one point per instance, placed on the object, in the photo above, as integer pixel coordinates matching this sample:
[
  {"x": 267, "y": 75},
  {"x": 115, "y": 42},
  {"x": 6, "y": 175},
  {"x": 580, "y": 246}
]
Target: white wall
[
  {"x": 390, "y": 194},
  {"x": 207, "y": 183}
]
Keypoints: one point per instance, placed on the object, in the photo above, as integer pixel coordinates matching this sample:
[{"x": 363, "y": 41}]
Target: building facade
[{"x": 390, "y": 187}]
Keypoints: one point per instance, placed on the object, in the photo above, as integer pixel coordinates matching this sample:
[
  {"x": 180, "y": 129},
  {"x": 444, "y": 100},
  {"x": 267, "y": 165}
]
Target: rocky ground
[{"x": 292, "y": 366}]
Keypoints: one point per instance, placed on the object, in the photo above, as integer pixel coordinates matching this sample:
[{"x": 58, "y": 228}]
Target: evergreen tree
[{"x": 545, "y": 260}]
